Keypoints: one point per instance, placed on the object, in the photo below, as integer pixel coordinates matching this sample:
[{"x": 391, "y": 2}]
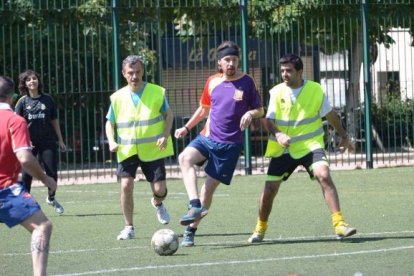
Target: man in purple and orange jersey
[{"x": 230, "y": 101}]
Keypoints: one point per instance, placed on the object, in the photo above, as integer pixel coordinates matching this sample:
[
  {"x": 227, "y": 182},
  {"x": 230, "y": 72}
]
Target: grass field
[{"x": 299, "y": 241}]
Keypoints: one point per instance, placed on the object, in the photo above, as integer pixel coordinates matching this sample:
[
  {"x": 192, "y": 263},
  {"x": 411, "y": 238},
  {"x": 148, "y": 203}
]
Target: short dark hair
[
  {"x": 22, "y": 81},
  {"x": 132, "y": 59},
  {"x": 294, "y": 59},
  {"x": 6, "y": 87}
]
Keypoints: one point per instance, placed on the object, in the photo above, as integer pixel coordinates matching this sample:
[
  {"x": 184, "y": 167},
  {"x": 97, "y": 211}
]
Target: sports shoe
[
  {"x": 256, "y": 237},
  {"x": 343, "y": 230},
  {"x": 55, "y": 204},
  {"x": 193, "y": 214},
  {"x": 162, "y": 213},
  {"x": 188, "y": 239},
  {"x": 126, "y": 234}
]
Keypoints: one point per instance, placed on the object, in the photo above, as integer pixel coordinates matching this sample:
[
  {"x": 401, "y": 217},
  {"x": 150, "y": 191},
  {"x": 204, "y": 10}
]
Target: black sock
[
  {"x": 191, "y": 229},
  {"x": 51, "y": 197},
  {"x": 195, "y": 203}
]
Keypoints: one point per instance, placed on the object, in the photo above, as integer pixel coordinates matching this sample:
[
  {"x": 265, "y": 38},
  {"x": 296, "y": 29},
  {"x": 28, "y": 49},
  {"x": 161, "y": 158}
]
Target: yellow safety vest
[
  {"x": 300, "y": 121},
  {"x": 139, "y": 127}
]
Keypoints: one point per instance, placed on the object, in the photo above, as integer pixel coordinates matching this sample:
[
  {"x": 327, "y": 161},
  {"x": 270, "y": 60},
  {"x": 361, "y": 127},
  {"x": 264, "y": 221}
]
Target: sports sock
[
  {"x": 261, "y": 226},
  {"x": 337, "y": 218},
  {"x": 195, "y": 203},
  {"x": 191, "y": 229},
  {"x": 51, "y": 196}
]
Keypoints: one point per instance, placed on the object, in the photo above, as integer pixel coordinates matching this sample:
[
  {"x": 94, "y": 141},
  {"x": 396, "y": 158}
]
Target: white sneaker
[
  {"x": 162, "y": 213},
  {"x": 55, "y": 204},
  {"x": 256, "y": 237},
  {"x": 127, "y": 233}
]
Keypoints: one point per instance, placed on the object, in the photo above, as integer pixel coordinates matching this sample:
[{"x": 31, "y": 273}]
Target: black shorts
[
  {"x": 280, "y": 168},
  {"x": 154, "y": 171}
]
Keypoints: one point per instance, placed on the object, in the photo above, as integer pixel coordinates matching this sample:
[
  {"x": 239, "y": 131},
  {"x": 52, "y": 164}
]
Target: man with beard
[
  {"x": 230, "y": 101},
  {"x": 293, "y": 119}
]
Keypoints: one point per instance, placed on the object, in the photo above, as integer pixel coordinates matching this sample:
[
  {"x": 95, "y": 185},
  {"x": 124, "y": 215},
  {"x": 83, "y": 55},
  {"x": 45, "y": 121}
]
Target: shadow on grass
[
  {"x": 87, "y": 215},
  {"x": 267, "y": 242}
]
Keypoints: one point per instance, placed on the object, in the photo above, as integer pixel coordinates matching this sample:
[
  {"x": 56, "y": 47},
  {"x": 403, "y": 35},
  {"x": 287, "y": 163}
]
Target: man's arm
[
  {"x": 199, "y": 114},
  {"x": 169, "y": 118},
  {"x": 110, "y": 135},
  {"x": 30, "y": 165},
  {"x": 248, "y": 117},
  {"x": 281, "y": 138},
  {"x": 333, "y": 119}
]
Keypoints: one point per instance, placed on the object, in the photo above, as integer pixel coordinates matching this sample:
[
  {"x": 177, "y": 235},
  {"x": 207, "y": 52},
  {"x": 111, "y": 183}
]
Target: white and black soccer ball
[{"x": 165, "y": 242}]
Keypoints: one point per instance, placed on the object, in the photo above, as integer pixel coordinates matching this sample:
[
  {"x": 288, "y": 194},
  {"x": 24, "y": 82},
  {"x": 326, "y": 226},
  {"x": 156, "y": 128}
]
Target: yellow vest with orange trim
[
  {"x": 300, "y": 121},
  {"x": 139, "y": 127}
]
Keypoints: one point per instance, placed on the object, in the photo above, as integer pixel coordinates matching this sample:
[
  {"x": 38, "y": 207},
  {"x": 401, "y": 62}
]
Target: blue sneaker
[
  {"x": 188, "y": 239},
  {"x": 193, "y": 214}
]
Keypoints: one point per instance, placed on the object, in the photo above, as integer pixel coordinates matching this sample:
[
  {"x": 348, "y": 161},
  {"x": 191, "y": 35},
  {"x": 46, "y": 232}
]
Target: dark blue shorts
[
  {"x": 16, "y": 205},
  {"x": 221, "y": 158}
]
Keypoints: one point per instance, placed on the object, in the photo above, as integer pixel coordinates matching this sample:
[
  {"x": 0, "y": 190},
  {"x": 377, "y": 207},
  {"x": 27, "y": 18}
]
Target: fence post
[
  {"x": 245, "y": 67},
  {"x": 115, "y": 42},
  {"x": 367, "y": 85}
]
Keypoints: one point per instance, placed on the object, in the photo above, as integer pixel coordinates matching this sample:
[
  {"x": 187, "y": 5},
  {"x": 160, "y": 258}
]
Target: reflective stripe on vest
[
  {"x": 140, "y": 123},
  {"x": 302, "y": 137}
]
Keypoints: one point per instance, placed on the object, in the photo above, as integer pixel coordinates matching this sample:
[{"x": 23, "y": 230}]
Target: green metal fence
[{"x": 360, "y": 51}]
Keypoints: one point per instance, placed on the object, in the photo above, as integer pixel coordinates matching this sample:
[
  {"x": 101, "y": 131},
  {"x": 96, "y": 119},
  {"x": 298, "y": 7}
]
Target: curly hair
[{"x": 22, "y": 81}]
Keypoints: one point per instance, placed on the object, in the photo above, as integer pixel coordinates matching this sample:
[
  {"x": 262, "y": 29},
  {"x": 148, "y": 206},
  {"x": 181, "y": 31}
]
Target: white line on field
[
  {"x": 70, "y": 251},
  {"x": 287, "y": 258}
]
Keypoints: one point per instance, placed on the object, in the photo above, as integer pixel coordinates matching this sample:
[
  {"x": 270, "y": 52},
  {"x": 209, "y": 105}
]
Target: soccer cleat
[
  {"x": 188, "y": 239},
  {"x": 343, "y": 230},
  {"x": 126, "y": 234},
  {"x": 55, "y": 204},
  {"x": 256, "y": 237},
  {"x": 193, "y": 214},
  {"x": 162, "y": 213}
]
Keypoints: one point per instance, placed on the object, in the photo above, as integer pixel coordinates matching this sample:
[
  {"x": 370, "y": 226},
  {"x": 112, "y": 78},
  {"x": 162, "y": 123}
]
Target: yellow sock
[
  {"x": 337, "y": 218},
  {"x": 261, "y": 226}
]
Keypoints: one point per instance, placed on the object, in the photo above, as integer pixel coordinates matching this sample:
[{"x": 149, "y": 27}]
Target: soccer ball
[{"x": 164, "y": 242}]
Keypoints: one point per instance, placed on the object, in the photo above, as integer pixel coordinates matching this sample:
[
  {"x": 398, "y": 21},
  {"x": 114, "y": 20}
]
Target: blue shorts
[
  {"x": 16, "y": 205},
  {"x": 221, "y": 158}
]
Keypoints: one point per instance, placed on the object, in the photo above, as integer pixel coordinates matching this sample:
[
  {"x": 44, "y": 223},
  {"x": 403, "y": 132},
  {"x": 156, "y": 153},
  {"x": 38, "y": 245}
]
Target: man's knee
[{"x": 161, "y": 197}]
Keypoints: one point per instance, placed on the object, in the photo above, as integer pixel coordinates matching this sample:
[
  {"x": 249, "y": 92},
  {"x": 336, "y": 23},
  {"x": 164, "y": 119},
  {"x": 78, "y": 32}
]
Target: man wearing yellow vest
[
  {"x": 294, "y": 122},
  {"x": 143, "y": 119}
]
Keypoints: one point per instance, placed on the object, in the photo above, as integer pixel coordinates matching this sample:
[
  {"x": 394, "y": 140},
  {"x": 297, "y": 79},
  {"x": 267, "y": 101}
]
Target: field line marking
[
  {"x": 210, "y": 243},
  {"x": 287, "y": 258}
]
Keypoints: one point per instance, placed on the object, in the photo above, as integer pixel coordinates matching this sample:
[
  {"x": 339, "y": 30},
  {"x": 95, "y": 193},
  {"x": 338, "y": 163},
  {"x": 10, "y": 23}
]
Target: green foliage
[{"x": 395, "y": 117}]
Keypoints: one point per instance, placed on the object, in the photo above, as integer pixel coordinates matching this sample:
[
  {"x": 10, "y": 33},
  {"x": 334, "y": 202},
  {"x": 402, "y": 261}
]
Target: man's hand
[
  {"x": 162, "y": 143},
  {"x": 113, "y": 146},
  {"x": 246, "y": 120},
  {"x": 283, "y": 139},
  {"x": 345, "y": 144},
  {"x": 180, "y": 132}
]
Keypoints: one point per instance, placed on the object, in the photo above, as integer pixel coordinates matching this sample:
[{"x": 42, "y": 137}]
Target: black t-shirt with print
[{"x": 38, "y": 112}]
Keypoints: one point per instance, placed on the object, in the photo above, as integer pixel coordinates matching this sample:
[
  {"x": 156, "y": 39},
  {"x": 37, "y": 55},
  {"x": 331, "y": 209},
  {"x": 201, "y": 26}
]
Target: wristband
[{"x": 186, "y": 128}]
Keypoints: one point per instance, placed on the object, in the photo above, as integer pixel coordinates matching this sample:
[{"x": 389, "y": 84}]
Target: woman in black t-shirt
[{"x": 40, "y": 112}]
